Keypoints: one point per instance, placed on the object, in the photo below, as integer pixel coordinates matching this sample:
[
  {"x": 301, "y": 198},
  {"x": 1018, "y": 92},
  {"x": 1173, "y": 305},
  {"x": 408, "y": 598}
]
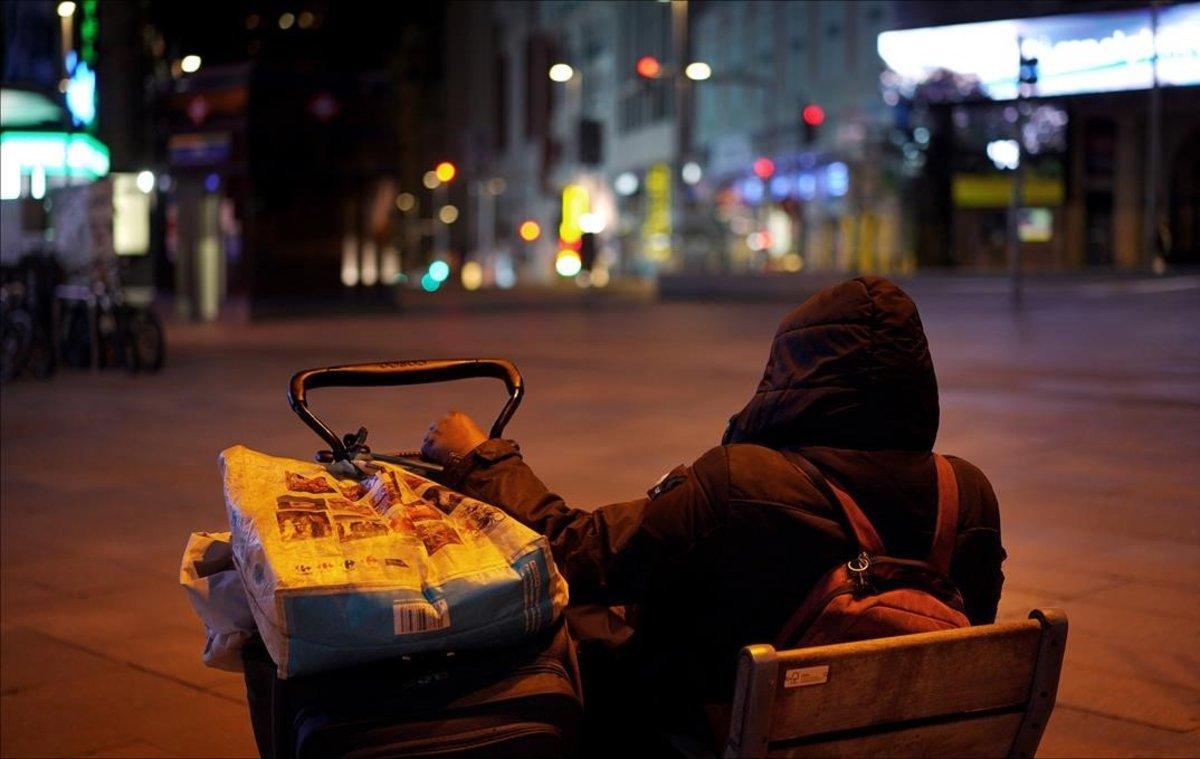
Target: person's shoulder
[
  {"x": 759, "y": 473},
  {"x": 976, "y": 495},
  {"x": 969, "y": 476},
  {"x": 725, "y": 470}
]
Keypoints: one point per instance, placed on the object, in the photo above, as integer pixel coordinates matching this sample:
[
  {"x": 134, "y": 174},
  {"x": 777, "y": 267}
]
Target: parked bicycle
[
  {"x": 100, "y": 328},
  {"x": 27, "y": 332}
]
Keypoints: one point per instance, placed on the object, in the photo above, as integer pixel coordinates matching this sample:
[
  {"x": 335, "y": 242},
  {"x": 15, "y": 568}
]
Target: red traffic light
[
  {"x": 648, "y": 67},
  {"x": 764, "y": 168},
  {"x": 813, "y": 114}
]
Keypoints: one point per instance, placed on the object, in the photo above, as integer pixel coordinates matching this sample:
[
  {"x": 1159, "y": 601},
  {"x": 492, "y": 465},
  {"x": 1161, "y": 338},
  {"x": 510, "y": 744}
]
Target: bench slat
[
  {"x": 900, "y": 679},
  {"x": 984, "y": 737}
]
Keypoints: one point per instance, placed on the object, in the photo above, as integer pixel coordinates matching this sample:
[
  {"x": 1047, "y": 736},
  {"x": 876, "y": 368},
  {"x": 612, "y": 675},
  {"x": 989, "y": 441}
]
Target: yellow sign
[
  {"x": 574, "y": 205},
  {"x": 995, "y": 190},
  {"x": 656, "y": 229}
]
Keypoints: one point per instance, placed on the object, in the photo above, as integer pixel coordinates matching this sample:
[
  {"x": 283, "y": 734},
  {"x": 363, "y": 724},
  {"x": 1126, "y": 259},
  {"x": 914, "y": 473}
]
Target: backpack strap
[
  {"x": 946, "y": 532},
  {"x": 864, "y": 532}
]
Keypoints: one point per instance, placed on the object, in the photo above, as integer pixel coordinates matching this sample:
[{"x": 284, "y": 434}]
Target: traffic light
[
  {"x": 813, "y": 116},
  {"x": 648, "y": 67}
]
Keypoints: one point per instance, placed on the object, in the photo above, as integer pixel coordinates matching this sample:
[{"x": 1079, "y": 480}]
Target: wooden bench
[{"x": 978, "y": 691}]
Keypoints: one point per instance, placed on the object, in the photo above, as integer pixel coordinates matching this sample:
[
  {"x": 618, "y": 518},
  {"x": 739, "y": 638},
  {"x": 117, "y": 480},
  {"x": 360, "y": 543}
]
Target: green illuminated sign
[
  {"x": 89, "y": 30},
  {"x": 54, "y": 153}
]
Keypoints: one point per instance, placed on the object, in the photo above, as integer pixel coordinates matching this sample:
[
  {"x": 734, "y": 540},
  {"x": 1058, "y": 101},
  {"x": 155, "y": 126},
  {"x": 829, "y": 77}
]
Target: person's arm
[
  {"x": 978, "y": 553},
  {"x": 608, "y": 554}
]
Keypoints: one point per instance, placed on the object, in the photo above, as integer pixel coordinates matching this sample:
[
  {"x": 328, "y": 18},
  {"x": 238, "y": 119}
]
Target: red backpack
[{"x": 875, "y": 595}]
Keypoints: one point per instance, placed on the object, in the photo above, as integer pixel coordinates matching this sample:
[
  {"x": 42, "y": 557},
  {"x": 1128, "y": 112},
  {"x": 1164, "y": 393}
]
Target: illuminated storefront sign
[
  {"x": 27, "y": 108},
  {"x": 656, "y": 230},
  {"x": 131, "y": 216},
  {"x": 81, "y": 92},
  {"x": 81, "y": 68},
  {"x": 575, "y": 203},
  {"x": 827, "y": 182},
  {"x": 51, "y": 154},
  {"x": 995, "y": 190},
  {"x": 1076, "y": 53}
]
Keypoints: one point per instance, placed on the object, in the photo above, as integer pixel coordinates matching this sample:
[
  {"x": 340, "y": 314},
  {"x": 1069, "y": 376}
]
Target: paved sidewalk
[{"x": 1083, "y": 410}]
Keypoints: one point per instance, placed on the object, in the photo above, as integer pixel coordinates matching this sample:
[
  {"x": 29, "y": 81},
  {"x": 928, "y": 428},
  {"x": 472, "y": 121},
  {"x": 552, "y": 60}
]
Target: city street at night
[
  {"x": 629, "y": 201},
  {"x": 1082, "y": 407}
]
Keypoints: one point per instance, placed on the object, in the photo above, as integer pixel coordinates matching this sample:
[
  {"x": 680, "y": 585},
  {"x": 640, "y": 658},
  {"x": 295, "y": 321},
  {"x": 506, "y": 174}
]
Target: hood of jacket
[{"x": 849, "y": 368}]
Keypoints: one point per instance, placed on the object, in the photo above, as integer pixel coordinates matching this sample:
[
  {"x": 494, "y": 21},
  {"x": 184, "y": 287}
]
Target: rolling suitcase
[
  {"x": 519, "y": 702},
  {"x": 523, "y": 700}
]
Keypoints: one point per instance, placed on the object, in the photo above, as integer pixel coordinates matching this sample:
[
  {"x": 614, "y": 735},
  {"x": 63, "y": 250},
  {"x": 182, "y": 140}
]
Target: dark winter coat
[{"x": 720, "y": 553}]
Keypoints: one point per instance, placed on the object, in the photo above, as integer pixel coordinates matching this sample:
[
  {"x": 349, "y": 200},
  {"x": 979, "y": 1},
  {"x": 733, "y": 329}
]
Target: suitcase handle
[{"x": 396, "y": 373}]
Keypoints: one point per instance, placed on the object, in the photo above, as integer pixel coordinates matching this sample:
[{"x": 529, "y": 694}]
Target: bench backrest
[{"x": 975, "y": 691}]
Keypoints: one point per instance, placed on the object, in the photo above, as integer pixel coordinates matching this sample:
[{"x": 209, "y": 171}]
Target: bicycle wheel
[
  {"x": 146, "y": 340},
  {"x": 17, "y": 332}
]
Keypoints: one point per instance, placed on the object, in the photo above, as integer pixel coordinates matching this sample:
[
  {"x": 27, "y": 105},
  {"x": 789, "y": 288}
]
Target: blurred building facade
[
  {"x": 231, "y": 158},
  {"x": 286, "y": 142},
  {"x": 799, "y": 150},
  {"x": 54, "y": 149},
  {"x": 275, "y": 152},
  {"x": 818, "y": 199},
  {"x": 1108, "y": 133}
]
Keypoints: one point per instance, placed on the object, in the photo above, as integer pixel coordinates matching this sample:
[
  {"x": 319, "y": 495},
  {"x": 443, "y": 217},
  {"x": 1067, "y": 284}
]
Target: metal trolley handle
[{"x": 393, "y": 374}]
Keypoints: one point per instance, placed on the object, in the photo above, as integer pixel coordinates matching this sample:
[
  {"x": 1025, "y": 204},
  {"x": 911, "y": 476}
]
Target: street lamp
[
  {"x": 698, "y": 71},
  {"x": 561, "y": 72},
  {"x": 66, "y": 9},
  {"x": 190, "y": 64},
  {"x": 145, "y": 182}
]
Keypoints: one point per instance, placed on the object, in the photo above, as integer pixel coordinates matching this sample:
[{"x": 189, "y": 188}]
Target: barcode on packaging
[{"x": 410, "y": 617}]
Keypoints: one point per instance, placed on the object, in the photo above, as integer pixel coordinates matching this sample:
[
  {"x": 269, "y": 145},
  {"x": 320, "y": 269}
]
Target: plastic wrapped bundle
[{"x": 341, "y": 572}]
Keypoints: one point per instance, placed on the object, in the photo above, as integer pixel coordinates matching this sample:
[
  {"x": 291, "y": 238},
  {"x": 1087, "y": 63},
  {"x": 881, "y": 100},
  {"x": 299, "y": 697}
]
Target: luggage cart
[{"x": 522, "y": 701}]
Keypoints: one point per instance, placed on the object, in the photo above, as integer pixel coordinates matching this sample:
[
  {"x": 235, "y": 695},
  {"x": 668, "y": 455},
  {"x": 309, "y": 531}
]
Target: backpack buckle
[{"x": 860, "y": 568}]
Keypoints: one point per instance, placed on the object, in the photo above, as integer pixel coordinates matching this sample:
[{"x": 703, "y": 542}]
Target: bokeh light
[
  {"x": 472, "y": 275},
  {"x": 568, "y": 263},
  {"x": 530, "y": 230},
  {"x": 561, "y": 72},
  {"x": 439, "y": 270},
  {"x": 764, "y": 168},
  {"x": 445, "y": 171}
]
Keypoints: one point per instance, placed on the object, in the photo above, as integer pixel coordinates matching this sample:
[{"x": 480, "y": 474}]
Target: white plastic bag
[
  {"x": 340, "y": 572},
  {"x": 215, "y": 589}
]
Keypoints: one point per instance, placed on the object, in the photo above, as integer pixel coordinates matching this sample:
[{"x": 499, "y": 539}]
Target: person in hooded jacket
[{"x": 719, "y": 554}]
